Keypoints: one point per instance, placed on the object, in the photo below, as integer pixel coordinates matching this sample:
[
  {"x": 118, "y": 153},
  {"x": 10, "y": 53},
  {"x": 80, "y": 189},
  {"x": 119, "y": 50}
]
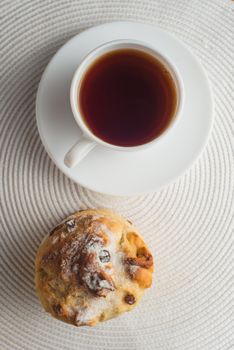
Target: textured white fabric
[{"x": 188, "y": 224}]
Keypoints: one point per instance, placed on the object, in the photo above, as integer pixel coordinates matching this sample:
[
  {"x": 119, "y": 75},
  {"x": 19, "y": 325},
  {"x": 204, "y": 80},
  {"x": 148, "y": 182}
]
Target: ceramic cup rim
[{"x": 96, "y": 53}]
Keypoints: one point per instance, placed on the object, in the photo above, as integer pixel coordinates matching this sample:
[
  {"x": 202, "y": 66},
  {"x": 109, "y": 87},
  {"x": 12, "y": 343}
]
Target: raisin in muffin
[{"x": 92, "y": 267}]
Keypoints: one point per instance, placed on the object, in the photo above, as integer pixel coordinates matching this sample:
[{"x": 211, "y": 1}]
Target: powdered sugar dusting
[
  {"x": 96, "y": 307},
  {"x": 133, "y": 269},
  {"x": 87, "y": 250}
]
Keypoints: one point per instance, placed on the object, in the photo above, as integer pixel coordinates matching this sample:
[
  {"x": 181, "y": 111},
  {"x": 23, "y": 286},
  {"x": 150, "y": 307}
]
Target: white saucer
[{"x": 120, "y": 173}]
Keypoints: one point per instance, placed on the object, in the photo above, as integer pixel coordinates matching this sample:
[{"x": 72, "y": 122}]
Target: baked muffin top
[{"x": 92, "y": 267}]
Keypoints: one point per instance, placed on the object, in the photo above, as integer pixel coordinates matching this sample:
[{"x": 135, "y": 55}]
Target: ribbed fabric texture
[{"x": 188, "y": 224}]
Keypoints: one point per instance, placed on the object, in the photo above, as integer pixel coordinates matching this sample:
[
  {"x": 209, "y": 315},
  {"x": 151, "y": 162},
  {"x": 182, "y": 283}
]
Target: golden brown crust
[{"x": 92, "y": 267}]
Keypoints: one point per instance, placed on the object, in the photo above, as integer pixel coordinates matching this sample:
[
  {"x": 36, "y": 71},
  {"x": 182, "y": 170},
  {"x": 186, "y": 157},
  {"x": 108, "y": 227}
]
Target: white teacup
[{"x": 88, "y": 141}]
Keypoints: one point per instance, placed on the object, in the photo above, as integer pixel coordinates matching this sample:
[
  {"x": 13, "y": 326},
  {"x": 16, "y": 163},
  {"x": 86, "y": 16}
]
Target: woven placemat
[{"x": 188, "y": 224}]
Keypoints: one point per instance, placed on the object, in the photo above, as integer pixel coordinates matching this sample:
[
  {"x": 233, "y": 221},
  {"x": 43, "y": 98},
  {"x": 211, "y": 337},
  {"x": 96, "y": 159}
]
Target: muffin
[{"x": 92, "y": 267}]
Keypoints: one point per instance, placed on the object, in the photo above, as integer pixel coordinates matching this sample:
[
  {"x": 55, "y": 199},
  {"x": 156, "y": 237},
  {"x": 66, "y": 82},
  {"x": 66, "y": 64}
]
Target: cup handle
[{"x": 78, "y": 152}]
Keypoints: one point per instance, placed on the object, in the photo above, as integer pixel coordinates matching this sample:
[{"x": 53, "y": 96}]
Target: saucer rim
[{"x": 163, "y": 183}]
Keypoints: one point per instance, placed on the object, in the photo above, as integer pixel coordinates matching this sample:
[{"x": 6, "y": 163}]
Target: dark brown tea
[{"x": 127, "y": 97}]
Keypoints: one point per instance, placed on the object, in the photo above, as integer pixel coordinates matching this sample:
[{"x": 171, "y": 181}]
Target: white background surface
[{"x": 188, "y": 225}]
